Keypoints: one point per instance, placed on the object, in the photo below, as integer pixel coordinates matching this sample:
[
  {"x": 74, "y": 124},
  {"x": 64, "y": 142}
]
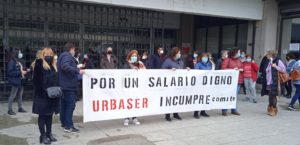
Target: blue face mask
[
  {"x": 133, "y": 59},
  {"x": 248, "y": 59},
  {"x": 195, "y": 55},
  {"x": 204, "y": 59},
  {"x": 242, "y": 55}
]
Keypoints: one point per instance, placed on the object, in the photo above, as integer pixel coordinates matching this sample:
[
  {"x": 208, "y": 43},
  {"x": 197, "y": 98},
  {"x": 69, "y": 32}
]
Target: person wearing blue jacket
[
  {"x": 15, "y": 73},
  {"x": 203, "y": 64},
  {"x": 296, "y": 83},
  {"x": 173, "y": 62},
  {"x": 157, "y": 59},
  {"x": 290, "y": 57},
  {"x": 67, "y": 78}
]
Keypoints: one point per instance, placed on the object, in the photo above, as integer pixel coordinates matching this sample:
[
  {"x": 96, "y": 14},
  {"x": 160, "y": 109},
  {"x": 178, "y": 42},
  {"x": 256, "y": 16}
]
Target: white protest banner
[{"x": 114, "y": 94}]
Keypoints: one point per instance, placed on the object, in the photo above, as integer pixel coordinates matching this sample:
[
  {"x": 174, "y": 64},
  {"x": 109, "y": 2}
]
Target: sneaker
[
  {"x": 177, "y": 117},
  {"x": 203, "y": 113},
  {"x": 11, "y": 112},
  {"x": 136, "y": 121},
  {"x": 254, "y": 101},
  {"x": 126, "y": 122},
  {"x": 71, "y": 130},
  {"x": 21, "y": 110},
  {"x": 292, "y": 108},
  {"x": 62, "y": 127}
]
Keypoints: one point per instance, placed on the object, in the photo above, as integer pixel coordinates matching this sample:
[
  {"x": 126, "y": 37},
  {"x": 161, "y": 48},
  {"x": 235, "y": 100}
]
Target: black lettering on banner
[
  {"x": 175, "y": 99},
  {"x": 193, "y": 81},
  {"x": 165, "y": 82},
  {"x": 168, "y": 101},
  {"x": 173, "y": 82},
  {"x": 93, "y": 82},
  {"x": 201, "y": 99},
  {"x": 131, "y": 82},
  {"x": 204, "y": 82},
  {"x": 189, "y": 99},
  {"x": 158, "y": 83},
  {"x": 112, "y": 83},
  {"x": 180, "y": 81},
  {"x": 151, "y": 82},
  {"x": 102, "y": 83},
  {"x": 207, "y": 99},
  {"x": 229, "y": 80},
  {"x": 217, "y": 80}
]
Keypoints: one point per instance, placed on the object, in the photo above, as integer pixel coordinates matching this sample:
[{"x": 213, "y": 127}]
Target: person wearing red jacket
[
  {"x": 250, "y": 77},
  {"x": 233, "y": 62}
]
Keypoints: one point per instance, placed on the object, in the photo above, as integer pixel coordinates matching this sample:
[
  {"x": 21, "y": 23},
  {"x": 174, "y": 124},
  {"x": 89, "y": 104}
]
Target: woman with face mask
[
  {"x": 250, "y": 77},
  {"x": 45, "y": 76},
  {"x": 203, "y": 64},
  {"x": 233, "y": 62},
  {"x": 173, "y": 62},
  {"x": 275, "y": 65},
  {"x": 133, "y": 62},
  {"x": 15, "y": 74}
]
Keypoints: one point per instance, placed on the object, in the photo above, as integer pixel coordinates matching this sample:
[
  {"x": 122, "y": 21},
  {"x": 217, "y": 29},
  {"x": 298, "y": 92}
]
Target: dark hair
[
  {"x": 290, "y": 55},
  {"x": 247, "y": 55},
  {"x": 174, "y": 51},
  {"x": 156, "y": 49},
  {"x": 233, "y": 52},
  {"x": 12, "y": 53},
  {"x": 69, "y": 46},
  {"x": 202, "y": 55}
]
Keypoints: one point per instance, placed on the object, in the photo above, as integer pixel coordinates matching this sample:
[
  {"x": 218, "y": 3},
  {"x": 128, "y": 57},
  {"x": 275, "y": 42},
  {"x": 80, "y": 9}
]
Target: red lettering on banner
[
  {"x": 104, "y": 105},
  {"x": 121, "y": 105},
  {"x": 129, "y": 101},
  {"x": 137, "y": 103},
  {"x": 94, "y": 106},
  {"x": 113, "y": 104},
  {"x": 145, "y": 102}
]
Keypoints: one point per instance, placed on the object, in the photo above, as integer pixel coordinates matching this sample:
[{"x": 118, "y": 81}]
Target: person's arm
[
  {"x": 255, "y": 66},
  {"x": 281, "y": 67},
  {"x": 66, "y": 66},
  {"x": 38, "y": 75},
  {"x": 11, "y": 71}
]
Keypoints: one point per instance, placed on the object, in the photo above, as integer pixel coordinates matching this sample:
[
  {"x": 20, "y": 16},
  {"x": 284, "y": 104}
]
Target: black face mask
[
  {"x": 109, "y": 52},
  {"x": 49, "y": 59}
]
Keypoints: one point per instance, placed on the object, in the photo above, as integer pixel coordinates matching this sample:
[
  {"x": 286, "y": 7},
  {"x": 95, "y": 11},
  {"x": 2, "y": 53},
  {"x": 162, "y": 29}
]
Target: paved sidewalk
[{"x": 253, "y": 127}]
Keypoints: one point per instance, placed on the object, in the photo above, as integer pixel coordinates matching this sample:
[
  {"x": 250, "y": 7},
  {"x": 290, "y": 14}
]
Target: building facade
[{"x": 253, "y": 26}]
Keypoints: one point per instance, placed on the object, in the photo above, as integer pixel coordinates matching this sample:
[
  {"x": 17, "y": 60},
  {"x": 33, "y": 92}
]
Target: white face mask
[
  {"x": 85, "y": 56},
  {"x": 144, "y": 57},
  {"x": 55, "y": 57},
  {"x": 161, "y": 52},
  {"x": 20, "y": 55},
  {"x": 178, "y": 55}
]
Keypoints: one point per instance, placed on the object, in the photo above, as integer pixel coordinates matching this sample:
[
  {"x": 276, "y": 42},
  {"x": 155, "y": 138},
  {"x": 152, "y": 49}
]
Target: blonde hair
[
  {"x": 45, "y": 64},
  {"x": 38, "y": 55},
  {"x": 272, "y": 53}
]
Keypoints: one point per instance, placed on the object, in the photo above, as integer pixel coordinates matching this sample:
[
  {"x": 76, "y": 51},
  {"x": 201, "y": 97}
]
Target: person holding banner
[
  {"x": 173, "y": 62},
  {"x": 45, "y": 76},
  {"x": 203, "y": 64},
  {"x": 233, "y": 62},
  {"x": 274, "y": 67},
  {"x": 133, "y": 62}
]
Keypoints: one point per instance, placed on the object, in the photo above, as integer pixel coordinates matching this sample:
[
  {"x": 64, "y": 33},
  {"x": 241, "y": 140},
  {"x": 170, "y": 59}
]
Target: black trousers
[
  {"x": 45, "y": 124},
  {"x": 288, "y": 87},
  {"x": 272, "y": 100}
]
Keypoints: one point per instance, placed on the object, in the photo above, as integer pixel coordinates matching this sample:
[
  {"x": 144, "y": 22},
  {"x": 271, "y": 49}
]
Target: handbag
[
  {"x": 295, "y": 75},
  {"x": 283, "y": 77},
  {"x": 54, "y": 92}
]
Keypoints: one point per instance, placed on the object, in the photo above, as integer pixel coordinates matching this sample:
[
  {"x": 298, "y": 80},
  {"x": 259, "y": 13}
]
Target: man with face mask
[
  {"x": 68, "y": 77},
  {"x": 157, "y": 58},
  {"x": 109, "y": 60}
]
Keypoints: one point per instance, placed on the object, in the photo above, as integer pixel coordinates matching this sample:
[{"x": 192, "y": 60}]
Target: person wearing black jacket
[
  {"x": 45, "y": 76},
  {"x": 262, "y": 75},
  {"x": 15, "y": 73},
  {"x": 157, "y": 59},
  {"x": 68, "y": 78}
]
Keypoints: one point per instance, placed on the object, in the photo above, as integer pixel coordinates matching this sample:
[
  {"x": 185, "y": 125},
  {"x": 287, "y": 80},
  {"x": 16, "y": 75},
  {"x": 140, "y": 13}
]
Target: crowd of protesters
[{"x": 66, "y": 69}]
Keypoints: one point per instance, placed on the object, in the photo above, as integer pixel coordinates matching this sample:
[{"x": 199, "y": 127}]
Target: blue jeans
[
  {"x": 296, "y": 96},
  {"x": 67, "y": 106},
  {"x": 233, "y": 109}
]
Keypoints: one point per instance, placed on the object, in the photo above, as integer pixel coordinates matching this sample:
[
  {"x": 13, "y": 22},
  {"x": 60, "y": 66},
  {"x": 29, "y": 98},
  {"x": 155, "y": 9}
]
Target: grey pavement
[{"x": 253, "y": 127}]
